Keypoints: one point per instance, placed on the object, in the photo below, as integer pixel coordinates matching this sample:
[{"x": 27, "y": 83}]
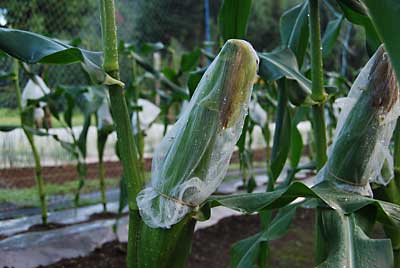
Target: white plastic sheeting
[{"x": 147, "y": 115}]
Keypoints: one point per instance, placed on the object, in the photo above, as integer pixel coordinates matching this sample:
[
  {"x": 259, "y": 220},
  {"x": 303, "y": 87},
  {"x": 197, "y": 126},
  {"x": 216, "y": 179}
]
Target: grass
[
  {"x": 28, "y": 196},
  {"x": 11, "y": 117}
]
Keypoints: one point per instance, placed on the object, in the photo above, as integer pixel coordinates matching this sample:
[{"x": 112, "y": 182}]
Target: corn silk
[
  {"x": 192, "y": 159},
  {"x": 365, "y": 126}
]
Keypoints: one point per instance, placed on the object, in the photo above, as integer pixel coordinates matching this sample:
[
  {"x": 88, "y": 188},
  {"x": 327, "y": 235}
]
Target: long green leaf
[
  {"x": 281, "y": 145},
  {"x": 348, "y": 246},
  {"x": 296, "y": 140},
  {"x": 190, "y": 60},
  {"x": 168, "y": 83},
  {"x": 245, "y": 252},
  {"x": 233, "y": 17},
  {"x": 341, "y": 201},
  {"x": 34, "y": 48},
  {"x": 385, "y": 15},
  {"x": 8, "y": 128},
  {"x": 282, "y": 63},
  {"x": 356, "y": 13},
  {"x": 294, "y": 30},
  {"x": 331, "y": 35}
]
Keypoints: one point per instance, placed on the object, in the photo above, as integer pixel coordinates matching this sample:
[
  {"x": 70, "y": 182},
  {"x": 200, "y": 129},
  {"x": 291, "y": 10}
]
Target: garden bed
[
  {"x": 24, "y": 177},
  {"x": 211, "y": 246}
]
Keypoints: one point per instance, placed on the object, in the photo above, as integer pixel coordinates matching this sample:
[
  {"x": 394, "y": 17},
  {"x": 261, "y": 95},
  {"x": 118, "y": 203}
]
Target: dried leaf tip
[{"x": 383, "y": 81}]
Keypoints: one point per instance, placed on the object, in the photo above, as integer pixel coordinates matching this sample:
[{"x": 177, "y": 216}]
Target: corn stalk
[
  {"x": 127, "y": 147},
  {"x": 38, "y": 168}
]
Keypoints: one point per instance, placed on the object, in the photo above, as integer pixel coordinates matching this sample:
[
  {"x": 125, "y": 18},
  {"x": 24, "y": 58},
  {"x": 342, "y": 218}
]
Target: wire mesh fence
[{"x": 180, "y": 24}]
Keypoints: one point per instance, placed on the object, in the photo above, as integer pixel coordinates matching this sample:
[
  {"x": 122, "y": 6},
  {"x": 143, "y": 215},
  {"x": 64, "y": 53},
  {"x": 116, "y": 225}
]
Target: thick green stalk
[
  {"x": 38, "y": 177},
  {"x": 102, "y": 185},
  {"x": 101, "y": 141},
  {"x": 319, "y": 133},
  {"x": 318, "y": 93},
  {"x": 119, "y": 109},
  {"x": 38, "y": 168}
]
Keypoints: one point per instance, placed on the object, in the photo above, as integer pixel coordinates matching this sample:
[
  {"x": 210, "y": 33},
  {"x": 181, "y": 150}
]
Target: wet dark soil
[
  {"x": 211, "y": 246},
  {"x": 103, "y": 216},
  {"x": 45, "y": 227}
]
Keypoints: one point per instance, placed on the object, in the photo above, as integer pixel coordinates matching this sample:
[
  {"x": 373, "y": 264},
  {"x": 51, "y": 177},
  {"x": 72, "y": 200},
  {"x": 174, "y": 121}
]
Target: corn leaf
[
  {"x": 341, "y": 201},
  {"x": 181, "y": 92},
  {"x": 282, "y": 63},
  {"x": 348, "y": 246},
  {"x": 356, "y": 13},
  {"x": 294, "y": 30},
  {"x": 8, "y": 128},
  {"x": 331, "y": 35},
  {"x": 385, "y": 17},
  {"x": 190, "y": 61},
  {"x": 34, "y": 48},
  {"x": 281, "y": 145},
  {"x": 296, "y": 140},
  {"x": 233, "y": 18},
  {"x": 245, "y": 252}
]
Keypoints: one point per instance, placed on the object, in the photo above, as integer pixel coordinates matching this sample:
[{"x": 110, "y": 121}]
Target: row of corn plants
[{"x": 357, "y": 179}]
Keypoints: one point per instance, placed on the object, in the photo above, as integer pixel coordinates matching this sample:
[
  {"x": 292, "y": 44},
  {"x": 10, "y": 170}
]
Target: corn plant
[
  {"x": 31, "y": 117},
  {"x": 297, "y": 25},
  {"x": 27, "y": 118},
  {"x": 88, "y": 99},
  {"x": 193, "y": 157},
  {"x": 64, "y": 99}
]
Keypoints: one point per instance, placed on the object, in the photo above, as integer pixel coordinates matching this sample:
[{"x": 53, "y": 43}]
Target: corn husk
[
  {"x": 193, "y": 157},
  {"x": 365, "y": 126}
]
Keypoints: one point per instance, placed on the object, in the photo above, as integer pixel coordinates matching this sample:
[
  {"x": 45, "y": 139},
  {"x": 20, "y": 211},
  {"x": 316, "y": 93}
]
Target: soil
[
  {"x": 211, "y": 246},
  {"x": 103, "y": 216},
  {"x": 44, "y": 227},
  {"x": 25, "y": 177}
]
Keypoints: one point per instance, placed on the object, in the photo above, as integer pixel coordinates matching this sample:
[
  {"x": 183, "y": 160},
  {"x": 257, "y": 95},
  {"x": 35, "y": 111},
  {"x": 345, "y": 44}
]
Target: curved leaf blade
[
  {"x": 294, "y": 30},
  {"x": 356, "y": 13},
  {"x": 385, "y": 17},
  {"x": 8, "y": 128},
  {"x": 278, "y": 64},
  {"x": 245, "y": 252},
  {"x": 341, "y": 201},
  {"x": 331, "y": 35},
  {"x": 281, "y": 144},
  {"x": 34, "y": 48}
]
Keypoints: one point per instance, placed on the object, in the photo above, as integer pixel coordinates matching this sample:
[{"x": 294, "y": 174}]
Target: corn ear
[
  {"x": 193, "y": 157},
  {"x": 365, "y": 127}
]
